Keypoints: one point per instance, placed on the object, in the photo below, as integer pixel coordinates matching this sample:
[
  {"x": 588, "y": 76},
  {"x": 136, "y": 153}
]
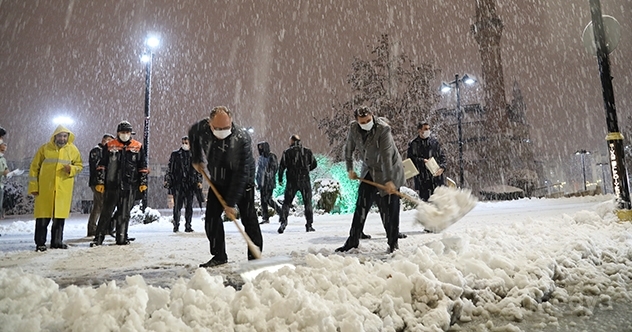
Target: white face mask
[
  {"x": 185, "y": 147},
  {"x": 221, "y": 134},
  {"x": 125, "y": 137},
  {"x": 366, "y": 126},
  {"x": 425, "y": 133}
]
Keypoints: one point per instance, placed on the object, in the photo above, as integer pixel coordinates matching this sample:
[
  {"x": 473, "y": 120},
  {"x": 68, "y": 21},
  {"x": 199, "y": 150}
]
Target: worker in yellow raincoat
[{"x": 51, "y": 181}]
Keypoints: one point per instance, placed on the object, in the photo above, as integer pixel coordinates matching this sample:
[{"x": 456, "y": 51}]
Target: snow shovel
[
  {"x": 251, "y": 269},
  {"x": 446, "y": 206},
  {"x": 256, "y": 253}
]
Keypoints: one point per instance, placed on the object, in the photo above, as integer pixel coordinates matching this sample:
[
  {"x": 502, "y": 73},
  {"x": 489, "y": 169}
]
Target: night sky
[{"x": 278, "y": 64}]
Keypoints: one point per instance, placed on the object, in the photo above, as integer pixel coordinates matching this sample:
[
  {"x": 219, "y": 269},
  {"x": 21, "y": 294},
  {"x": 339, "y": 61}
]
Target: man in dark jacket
[
  {"x": 267, "y": 166},
  {"x": 122, "y": 172},
  {"x": 97, "y": 198},
  {"x": 381, "y": 163},
  {"x": 298, "y": 161},
  {"x": 231, "y": 168},
  {"x": 183, "y": 181},
  {"x": 420, "y": 149}
]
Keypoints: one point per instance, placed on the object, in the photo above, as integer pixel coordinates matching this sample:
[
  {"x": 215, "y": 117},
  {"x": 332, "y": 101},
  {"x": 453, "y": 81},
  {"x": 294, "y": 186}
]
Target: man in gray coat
[{"x": 381, "y": 162}]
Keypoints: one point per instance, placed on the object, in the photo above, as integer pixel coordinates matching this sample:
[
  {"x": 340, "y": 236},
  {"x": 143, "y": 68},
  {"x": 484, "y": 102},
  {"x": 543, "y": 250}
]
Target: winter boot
[
  {"x": 121, "y": 234},
  {"x": 57, "y": 234},
  {"x": 215, "y": 261},
  {"x": 98, "y": 240},
  {"x": 309, "y": 228},
  {"x": 187, "y": 227},
  {"x": 282, "y": 227},
  {"x": 365, "y": 236},
  {"x": 176, "y": 225}
]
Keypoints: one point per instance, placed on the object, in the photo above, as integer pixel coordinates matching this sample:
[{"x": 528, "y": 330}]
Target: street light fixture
[
  {"x": 63, "y": 120},
  {"x": 446, "y": 87},
  {"x": 151, "y": 43},
  {"x": 582, "y": 153}
]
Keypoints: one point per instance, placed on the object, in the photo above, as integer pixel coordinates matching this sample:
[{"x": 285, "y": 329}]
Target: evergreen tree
[{"x": 394, "y": 86}]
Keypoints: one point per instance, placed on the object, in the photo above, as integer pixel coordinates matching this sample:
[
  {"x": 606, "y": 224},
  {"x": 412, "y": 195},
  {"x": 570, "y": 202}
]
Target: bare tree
[{"x": 398, "y": 89}]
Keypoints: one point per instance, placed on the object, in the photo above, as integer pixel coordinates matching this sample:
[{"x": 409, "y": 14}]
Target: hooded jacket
[
  {"x": 230, "y": 162},
  {"x": 48, "y": 178},
  {"x": 378, "y": 152},
  {"x": 267, "y": 166}
]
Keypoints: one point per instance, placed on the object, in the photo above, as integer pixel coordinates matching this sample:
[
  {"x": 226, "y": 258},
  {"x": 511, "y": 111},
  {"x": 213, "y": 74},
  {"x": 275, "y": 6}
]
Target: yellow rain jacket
[{"x": 48, "y": 177}]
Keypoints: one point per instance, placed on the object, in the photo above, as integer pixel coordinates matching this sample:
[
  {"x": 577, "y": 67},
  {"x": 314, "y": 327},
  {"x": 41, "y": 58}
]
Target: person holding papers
[{"x": 426, "y": 154}]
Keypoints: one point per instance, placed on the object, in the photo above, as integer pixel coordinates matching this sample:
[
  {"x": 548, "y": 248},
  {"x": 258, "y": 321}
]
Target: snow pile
[
  {"x": 506, "y": 270},
  {"x": 445, "y": 207}
]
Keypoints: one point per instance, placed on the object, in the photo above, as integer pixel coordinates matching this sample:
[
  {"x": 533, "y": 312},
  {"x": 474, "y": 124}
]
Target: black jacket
[
  {"x": 298, "y": 161},
  {"x": 425, "y": 148},
  {"x": 95, "y": 157},
  {"x": 123, "y": 165},
  {"x": 180, "y": 174},
  {"x": 230, "y": 162}
]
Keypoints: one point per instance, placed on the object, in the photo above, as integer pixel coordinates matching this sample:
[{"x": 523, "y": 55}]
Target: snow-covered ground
[{"x": 532, "y": 264}]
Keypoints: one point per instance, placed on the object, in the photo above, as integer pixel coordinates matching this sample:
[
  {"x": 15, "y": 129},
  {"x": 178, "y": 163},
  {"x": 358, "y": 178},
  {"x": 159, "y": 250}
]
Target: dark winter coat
[
  {"x": 180, "y": 175},
  {"x": 298, "y": 161},
  {"x": 267, "y": 166},
  {"x": 425, "y": 148},
  {"x": 94, "y": 158},
  {"x": 378, "y": 153},
  {"x": 123, "y": 165},
  {"x": 229, "y": 161}
]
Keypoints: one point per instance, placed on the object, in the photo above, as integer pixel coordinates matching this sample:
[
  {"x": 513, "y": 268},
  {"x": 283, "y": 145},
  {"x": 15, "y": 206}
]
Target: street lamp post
[
  {"x": 620, "y": 185},
  {"x": 582, "y": 153},
  {"x": 147, "y": 58},
  {"x": 445, "y": 87},
  {"x": 603, "y": 176}
]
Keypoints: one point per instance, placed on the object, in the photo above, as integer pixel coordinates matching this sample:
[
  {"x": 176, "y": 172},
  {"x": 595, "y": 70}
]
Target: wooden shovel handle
[
  {"x": 256, "y": 252},
  {"x": 383, "y": 187}
]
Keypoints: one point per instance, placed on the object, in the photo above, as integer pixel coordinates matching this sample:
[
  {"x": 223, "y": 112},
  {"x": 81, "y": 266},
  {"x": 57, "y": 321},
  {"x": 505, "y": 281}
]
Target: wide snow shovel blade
[
  {"x": 251, "y": 269},
  {"x": 446, "y": 206}
]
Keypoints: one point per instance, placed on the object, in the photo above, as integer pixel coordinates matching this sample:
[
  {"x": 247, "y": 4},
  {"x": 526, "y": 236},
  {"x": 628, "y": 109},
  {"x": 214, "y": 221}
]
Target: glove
[
  {"x": 99, "y": 188},
  {"x": 142, "y": 188}
]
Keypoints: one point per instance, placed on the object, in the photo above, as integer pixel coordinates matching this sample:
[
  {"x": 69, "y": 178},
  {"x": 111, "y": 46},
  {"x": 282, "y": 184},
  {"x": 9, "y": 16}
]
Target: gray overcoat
[{"x": 379, "y": 153}]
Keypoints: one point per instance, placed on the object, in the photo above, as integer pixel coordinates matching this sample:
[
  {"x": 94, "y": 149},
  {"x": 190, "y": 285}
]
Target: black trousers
[
  {"x": 389, "y": 212},
  {"x": 183, "y": 197},
  {"x": 291, "y": 188},
  {"x": 214, "y": 224},
  {"x": 426, "y": 186},
  {"x": 56, "y": 232},
  {"x": 122, "y": 201},
  {"x": 268, "y": 201}
]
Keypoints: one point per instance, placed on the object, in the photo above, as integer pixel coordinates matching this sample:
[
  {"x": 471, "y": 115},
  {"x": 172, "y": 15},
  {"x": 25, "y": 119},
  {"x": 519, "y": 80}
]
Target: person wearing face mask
[
  {"x": 381, "y": 163},
  {"x": 121, "y": 172},
  {"x": 231, "y": 169},
  {"x": 420, "y": 149},
  {"x": 51, "y": 181},
  {"x": 182, "y": 181},
  {"x": 298, "y": 161}
]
